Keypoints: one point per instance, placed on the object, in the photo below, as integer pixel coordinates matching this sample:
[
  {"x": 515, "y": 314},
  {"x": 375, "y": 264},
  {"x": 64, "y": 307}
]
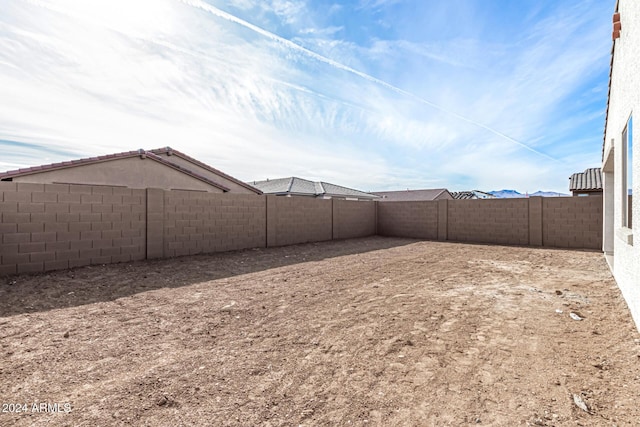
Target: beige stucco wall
[
  {"x": 132, "y": 172},
  {"x": 624, "y": 100},
  {"x": 233, "y": 186}
]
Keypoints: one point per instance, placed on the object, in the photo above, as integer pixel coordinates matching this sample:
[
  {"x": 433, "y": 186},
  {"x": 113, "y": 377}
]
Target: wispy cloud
[
  {"x": 300, "y": 93},
  {"x": 376, "y": 4},
  {"x": 360, "y": 74}
]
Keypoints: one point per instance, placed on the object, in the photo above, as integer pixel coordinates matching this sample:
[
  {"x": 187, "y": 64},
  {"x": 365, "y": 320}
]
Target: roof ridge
[
  {"x": 179, "y": 168},
  {"x": 203, "y": 165},
  {"x": 105, "y": 158}
]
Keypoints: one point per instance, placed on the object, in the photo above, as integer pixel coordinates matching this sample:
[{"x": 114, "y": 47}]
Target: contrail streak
[{"x": 288, "y": 43}]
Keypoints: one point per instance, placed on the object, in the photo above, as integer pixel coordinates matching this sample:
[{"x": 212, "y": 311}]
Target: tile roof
[
  {"x": 338, "y": 190},
  {"x": 116, "y": 156},
  {"x": 274, "y": 186},
  {"x": 303, "y": 187},
  {"x": 463, "y": 195},
  {"x": 411, "y": 195},
  {"x": 589, "y": 180},
  {"x": 474, "y": 194}
]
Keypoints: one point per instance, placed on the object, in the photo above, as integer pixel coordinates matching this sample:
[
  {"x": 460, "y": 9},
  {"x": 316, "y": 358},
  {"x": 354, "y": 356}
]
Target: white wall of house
[{"x": 624, "y": 102}]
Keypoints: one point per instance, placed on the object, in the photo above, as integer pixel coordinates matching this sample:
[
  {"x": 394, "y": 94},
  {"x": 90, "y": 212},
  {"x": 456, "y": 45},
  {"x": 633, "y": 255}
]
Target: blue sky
[{"x": 370, "y": 94}]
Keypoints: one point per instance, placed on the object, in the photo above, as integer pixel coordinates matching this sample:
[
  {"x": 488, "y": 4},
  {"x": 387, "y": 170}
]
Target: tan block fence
[
  {"x": 54, "y": 226},
  {"x": 563, "y": 222}
]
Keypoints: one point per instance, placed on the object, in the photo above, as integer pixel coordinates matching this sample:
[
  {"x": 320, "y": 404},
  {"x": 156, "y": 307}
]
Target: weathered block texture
[
  {"x": 199, "y": 222},
  {"x": 408, "y": 219},
  {"x": 53, "y": 226},
  {"x": 293, "y": 220},
  {"x": 572, "y": 222},
  {"x": 353, "y": 219}
]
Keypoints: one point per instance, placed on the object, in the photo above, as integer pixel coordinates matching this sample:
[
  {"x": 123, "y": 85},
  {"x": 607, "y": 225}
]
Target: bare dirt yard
[{"x": 377, "y": 331}]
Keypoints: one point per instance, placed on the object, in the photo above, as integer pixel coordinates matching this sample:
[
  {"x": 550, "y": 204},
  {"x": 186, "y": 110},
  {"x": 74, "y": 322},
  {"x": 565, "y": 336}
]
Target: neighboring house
[
  {"x": 472, "y": 195},
  {"x": 621, "y": 174},
  {"x": 160, "y": 168},
  {"x": 294, "y": 186},
  {"x": 587, "y": 183},
  {"x": 414, "y": 195}
]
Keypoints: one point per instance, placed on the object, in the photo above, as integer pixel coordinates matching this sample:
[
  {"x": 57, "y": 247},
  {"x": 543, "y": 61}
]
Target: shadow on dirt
[{"x": 93, "y": 284}]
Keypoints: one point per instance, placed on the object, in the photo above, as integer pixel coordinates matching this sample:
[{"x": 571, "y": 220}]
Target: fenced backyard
[
  {"x": 374, "y": 331},
  {"x": 48, "y": 227},
  {"x": 190, "y": 308}
]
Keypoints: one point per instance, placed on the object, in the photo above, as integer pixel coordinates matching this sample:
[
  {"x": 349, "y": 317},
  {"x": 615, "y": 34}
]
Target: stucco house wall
[
  {"x": 132, "y": 172},
  {"x": 179, "y": 159},
  {"x": 163, "y": 168},
  {"x": 620, "y": 244}
]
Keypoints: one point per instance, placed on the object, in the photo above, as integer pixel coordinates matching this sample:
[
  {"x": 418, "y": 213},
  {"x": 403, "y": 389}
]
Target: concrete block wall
[
  {"x": 198, "y": 222},
  {"x": 293, "y": 220},
  {"x": 501, "y": 221},
  {"x": 53, "y": 226},
  {"x": 572, "y": 222},
  {"x": 408, "y": 219},
  {"x": 565, "y": 222},
  {"x": 353, "y": 219}
]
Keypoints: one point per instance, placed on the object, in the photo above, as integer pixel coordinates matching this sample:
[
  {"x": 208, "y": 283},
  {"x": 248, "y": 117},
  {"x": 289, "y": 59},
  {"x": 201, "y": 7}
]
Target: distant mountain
[
  {"x": 512, "y": 194},
  {"x": 548, "y": 194},
  {"x": 506, "y": 194}
]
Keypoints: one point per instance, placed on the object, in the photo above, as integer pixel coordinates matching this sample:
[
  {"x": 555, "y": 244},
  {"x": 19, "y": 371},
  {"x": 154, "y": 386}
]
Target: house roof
[
  {"x": 474, "y": 194},
  {"x": 150, "y": 154},
  {"x": 170, "y": 151},
  {"x": 613, "y": 52},
  {"x": 303, "y": 187},
  {"x": 463, "y": 195},
  {"x": 411, "y": 195},
  {"x": 589, "y": 180}
]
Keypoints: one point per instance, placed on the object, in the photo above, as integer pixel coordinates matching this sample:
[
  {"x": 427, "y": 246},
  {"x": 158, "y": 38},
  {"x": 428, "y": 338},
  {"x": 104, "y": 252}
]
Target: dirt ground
[{"x": 377, "y": 331}]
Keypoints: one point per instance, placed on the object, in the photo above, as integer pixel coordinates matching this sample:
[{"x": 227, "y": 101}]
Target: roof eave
[
  {"x": 107, "y": 158},
  {"x": 606, "y": 119},
  {"x": 66, "y": 164},
  {"x": 207, "y": 167}
]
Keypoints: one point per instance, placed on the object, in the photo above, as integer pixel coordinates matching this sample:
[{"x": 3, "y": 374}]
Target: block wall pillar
[
  {"x": 443, "y": 210},
  {"x": 535, "y": 221},
  {"x": 155, "y": 223}
]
